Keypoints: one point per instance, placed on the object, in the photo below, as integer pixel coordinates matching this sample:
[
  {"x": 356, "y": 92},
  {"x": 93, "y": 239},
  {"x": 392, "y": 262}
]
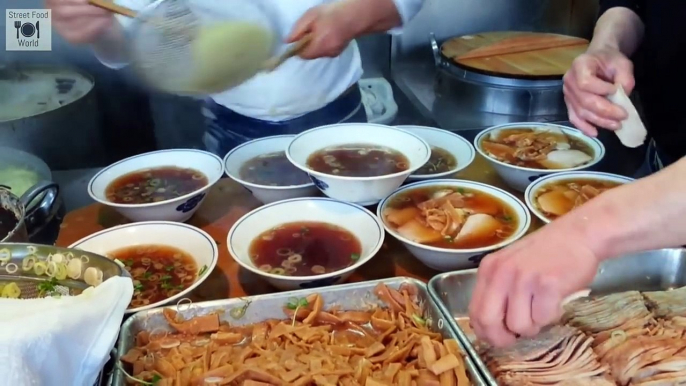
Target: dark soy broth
[
  {"x": 358, "y": 160},
  {"x": 8, "y": 221},
  {"x": 305, "y": 249},
  {"x": 154, "y": 185},
  {"x": 158, "y": 271},
  {"x": 273, "y": 169},
  {"x": 440, "y": 161}
]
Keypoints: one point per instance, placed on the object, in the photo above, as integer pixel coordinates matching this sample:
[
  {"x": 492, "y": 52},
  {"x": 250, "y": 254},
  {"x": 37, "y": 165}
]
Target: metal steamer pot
[
  {"x": 65, "y": 137},
  {"x": 537, "y": 99},
  {"x": 46, "y": 213},
  {"x": 28, "y": 209}
]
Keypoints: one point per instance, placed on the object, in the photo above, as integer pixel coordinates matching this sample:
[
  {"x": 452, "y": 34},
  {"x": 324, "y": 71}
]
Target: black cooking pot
[{"x": 26, "y": 209}]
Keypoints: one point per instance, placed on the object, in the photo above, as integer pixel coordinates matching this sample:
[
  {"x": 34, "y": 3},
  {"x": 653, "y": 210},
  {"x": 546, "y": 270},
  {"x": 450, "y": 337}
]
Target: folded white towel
[{"x": 61, "y": 341}]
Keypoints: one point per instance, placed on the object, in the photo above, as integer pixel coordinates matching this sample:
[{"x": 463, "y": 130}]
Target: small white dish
[
  {"x": 359, "y": 190},
  {"x": 531, "y": 190},
  {"x": 177, "y": 209},
  {"x": 187, "y": 238},
  {"x": 354, "y": 218},
  {"x": 446, "y": 259},
  {"x": 235, "y": 159},
  {"x": 518, "y": 177},
  {"x": 460, "y": 148}
]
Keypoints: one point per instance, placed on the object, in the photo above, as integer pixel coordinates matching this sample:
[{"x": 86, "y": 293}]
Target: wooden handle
[
  {"x": 521, "y": 44},
  {"x": 110, "y": 6},
  {"x": 292, "y": 51}
]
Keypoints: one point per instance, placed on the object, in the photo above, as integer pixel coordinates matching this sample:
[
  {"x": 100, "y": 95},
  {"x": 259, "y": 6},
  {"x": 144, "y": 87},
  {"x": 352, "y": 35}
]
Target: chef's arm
[
  {"x": 371, "y": 16},
  {"x": 620, "y": 26},
  {"x": 649, "y": 213}
]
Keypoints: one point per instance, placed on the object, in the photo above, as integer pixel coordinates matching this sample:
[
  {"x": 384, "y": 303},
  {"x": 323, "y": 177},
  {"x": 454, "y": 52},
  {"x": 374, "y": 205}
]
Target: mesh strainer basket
[
  {"x": 33, "y": 286},
  {"x": 161, "y": 37}
]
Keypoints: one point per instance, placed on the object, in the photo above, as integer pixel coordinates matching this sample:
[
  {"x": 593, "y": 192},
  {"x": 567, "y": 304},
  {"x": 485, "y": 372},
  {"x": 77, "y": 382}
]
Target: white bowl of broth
[
  {"x": 523, "y": 152},
  {"x": 451, "y": 224},
  {"x": 358, "y": 162},
  {"x": 165, "y": 185},
  {"x": 305, "y": 242},
  {"x": 450, "y": 153},
  {"x": 166, "y": 260},
  {"x": 557, "y": 194},
  {"x": 262, "y": 167}
]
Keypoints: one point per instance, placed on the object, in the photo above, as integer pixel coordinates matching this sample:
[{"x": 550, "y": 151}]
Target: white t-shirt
[{"x": 297, "y": 86}]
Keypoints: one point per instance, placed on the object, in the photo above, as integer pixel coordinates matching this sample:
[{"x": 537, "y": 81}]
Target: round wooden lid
[{"x": 515, "y": 54}]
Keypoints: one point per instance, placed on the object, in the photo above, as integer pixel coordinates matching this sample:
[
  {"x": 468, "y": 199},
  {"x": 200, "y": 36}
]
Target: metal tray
[
  {"x": 647, "y": 271},
  {"x": 28, "y": 279},
  {"x": 347, "y": 296}
]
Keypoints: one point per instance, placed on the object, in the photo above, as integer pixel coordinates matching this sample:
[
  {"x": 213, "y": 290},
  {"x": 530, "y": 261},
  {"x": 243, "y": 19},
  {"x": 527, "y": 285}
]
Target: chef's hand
[
  {"x": 591, "y": 78},
  {"x": 330, "y": 27},
  {"x": 520, "y": 289},
  {"x": 79, "y": 22}
]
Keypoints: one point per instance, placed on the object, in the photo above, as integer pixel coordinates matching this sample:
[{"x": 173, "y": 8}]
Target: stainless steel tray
[
  {"x": 19, "y": 251},
  {"x": 648, "y": 271},
  {"x": 263, "y": 307}
]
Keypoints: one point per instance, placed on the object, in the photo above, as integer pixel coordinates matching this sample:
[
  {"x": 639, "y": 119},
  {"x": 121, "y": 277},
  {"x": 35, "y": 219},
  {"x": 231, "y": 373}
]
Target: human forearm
[
  {"x": 371, "y": 16},
  {"x": 618, "y": 28},
  {"x": 647, "y": 214}
]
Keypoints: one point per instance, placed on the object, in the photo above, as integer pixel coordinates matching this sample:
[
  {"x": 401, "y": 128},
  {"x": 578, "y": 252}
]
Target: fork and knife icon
[{"x": 17, "y": 26}]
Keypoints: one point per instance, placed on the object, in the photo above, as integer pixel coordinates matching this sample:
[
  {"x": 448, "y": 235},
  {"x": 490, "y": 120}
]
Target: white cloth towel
[{"x": 61, "y": 341}]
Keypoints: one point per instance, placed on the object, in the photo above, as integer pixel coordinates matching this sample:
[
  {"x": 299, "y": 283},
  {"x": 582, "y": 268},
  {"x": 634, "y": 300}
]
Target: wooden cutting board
[{"x": 515, "y": 54}]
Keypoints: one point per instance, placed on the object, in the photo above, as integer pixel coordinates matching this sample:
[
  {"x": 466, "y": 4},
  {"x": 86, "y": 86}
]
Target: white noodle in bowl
[
  {"x": 532, "y": 191},
  {"x": 519, "y": 177},
  {"x": 449, "y": 259}
]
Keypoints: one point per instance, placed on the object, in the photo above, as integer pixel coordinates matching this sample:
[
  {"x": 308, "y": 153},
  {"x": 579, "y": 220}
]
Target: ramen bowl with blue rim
[
  {"x": 194, "y": 242},
  {"x": 446, "y": 256},
  {"x": 264, "y": 223},
  {"x": 565, "y": 199},
  {"x": 262, "y": 168},
  {"x": 450, "y": 153},
  {"x": 178, "y": 208},
  {"x": 350, "y": 177},
  {"x": 519, "y": 177}
]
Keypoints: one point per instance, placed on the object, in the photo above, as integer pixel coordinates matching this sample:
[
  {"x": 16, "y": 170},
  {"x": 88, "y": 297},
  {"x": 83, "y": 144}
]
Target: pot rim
[{"x": 20, "y": 207}]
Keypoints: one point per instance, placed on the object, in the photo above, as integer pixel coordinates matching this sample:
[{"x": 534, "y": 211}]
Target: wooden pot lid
[{"x": 515, "y": 54}]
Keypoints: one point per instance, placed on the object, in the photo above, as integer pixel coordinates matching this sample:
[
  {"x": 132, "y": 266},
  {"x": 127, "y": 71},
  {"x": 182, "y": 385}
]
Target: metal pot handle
[
  {"x": 438, "y": 61},
  {"x": 51, "y": 189}
]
